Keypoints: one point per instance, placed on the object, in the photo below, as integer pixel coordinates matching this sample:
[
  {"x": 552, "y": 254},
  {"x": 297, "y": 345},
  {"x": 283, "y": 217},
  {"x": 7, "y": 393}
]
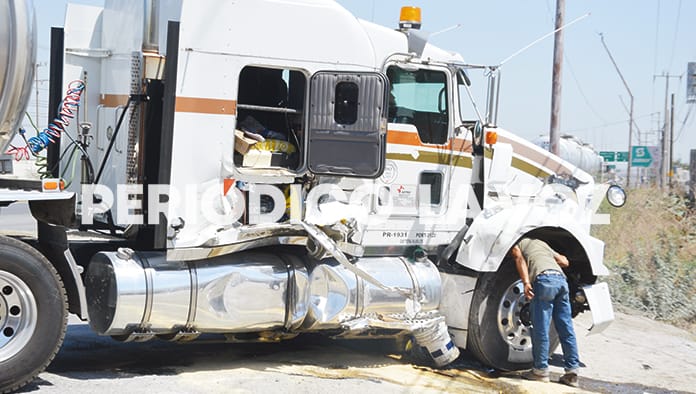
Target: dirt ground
[{"x": 634, "y": 355}]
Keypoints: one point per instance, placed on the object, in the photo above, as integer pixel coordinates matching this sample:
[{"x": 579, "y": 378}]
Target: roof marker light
[{"x": 410, "y": 18}]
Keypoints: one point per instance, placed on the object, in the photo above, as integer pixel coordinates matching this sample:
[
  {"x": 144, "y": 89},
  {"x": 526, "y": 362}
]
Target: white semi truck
[{"x": 259, "y": 169}]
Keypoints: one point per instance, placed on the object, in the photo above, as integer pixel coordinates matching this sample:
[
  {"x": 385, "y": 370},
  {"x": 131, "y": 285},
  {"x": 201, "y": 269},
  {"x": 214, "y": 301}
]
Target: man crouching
[{"x": 541, "y": 271}]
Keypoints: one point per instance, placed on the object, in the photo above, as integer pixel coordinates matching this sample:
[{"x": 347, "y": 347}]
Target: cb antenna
[{"x": 540, "y": 39}]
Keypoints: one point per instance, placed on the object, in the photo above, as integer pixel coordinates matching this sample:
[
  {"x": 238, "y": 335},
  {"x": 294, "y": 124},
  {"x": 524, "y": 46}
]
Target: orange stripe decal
[
  {"x": 412, "y": 139},
  {"x": 206, "y": 106},
  {"x": 461, "y": 147},
  {"x": 403, "y": 138},
  {"x": 113, "y": 100}
]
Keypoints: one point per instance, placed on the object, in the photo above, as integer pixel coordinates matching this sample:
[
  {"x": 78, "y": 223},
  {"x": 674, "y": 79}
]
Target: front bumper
[{"x": 599, "y": 300}]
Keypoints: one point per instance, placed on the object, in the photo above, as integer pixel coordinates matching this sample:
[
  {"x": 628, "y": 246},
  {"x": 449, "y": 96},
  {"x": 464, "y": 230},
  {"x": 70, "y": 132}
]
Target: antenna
[
  {"x": 541, "y": 39},
  {"x": 455, "y": 27}
]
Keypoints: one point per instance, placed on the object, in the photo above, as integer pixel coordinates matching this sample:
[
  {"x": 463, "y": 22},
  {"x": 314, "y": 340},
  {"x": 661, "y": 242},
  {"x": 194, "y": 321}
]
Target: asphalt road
[
  {"x": 88, "y": 363},
  {"x": 624, "y": 359}
]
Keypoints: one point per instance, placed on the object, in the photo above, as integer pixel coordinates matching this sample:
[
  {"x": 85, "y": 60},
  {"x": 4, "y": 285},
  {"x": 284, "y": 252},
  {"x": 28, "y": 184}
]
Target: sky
[{"x": 647, "y": 38}]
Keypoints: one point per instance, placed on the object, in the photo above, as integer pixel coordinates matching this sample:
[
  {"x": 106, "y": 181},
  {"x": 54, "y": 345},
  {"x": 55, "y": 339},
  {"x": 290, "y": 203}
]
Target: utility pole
[
  {"x": 665, "y": 164},
  {"x": 554, "y": 137},
  {"x": 692, "y": 173},
  {"x": 630, "y": 114},
  {"x": 670, "y": 172}
]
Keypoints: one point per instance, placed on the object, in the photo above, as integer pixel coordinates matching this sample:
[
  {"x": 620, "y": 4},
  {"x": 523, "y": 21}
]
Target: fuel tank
[
  {"x": 141, "y": 292},
  {"x": 131, "y": 291}
]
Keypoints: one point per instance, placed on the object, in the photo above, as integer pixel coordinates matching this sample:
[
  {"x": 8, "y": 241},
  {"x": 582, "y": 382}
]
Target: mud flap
[{"x": 600, "y": 304}]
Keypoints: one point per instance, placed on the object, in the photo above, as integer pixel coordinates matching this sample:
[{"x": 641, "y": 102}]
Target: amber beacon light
[{"x": 410, "y": 18}]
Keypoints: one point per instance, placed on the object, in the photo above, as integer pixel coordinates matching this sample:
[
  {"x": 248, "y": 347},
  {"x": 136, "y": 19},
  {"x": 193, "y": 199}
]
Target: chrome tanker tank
[{"x": 17, "y": 59}]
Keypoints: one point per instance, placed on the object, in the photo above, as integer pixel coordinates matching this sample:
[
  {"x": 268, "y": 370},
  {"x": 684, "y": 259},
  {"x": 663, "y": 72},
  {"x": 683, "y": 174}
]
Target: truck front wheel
[
  {"x": 33, "y": 313},
  {"x": 499, "y": 332}
]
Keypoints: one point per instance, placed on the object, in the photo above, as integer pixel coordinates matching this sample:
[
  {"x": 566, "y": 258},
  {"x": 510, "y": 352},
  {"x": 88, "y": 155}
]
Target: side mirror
[
  {"x": 616, "y": 196},
  {"x": 478, "y": 133}
]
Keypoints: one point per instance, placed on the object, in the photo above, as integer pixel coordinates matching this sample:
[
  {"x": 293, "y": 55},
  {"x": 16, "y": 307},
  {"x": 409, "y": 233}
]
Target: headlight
[{"x": 616, "y": 196}]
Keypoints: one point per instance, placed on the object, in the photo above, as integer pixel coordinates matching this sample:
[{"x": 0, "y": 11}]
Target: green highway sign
[
  {"x": 641, "y": 157},
  {"x": 608, "y": 156}
]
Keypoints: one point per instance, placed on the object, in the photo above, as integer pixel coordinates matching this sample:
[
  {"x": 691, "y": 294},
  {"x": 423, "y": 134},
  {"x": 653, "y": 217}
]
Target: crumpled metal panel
[{"x": 338, "y": 296}]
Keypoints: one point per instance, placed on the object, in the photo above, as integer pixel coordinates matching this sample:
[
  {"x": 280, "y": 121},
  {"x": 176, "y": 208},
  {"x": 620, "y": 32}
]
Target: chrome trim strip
[
  {"x": 79, "y": 284},
  {"x": 200, "y": 253}
]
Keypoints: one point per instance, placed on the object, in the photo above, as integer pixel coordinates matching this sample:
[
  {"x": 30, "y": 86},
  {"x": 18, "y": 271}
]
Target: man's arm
[
  {"x": 561, "y": 260},
  {"x": 522, "y": 270}
]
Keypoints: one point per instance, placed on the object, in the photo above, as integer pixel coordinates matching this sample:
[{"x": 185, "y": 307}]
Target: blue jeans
[{"x": 551, "y": 301}]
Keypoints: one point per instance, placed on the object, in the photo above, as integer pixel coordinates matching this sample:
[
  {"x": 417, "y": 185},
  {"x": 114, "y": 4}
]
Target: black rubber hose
[{"x": 113, "y": 140}]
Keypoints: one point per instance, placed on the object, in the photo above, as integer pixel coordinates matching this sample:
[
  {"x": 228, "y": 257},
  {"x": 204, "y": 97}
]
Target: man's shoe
[
  {"x": 530, "y": 375},
  {"x": 569, "y": 379}
]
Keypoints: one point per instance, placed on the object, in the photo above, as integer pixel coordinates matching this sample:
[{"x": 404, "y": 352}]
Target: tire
[
  {"x": 33, "y": 313},
  {"x": 499, "y": 332}
]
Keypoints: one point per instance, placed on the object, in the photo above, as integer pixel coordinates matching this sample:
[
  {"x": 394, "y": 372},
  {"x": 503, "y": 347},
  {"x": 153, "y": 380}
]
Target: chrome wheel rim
[
  {"x": 514, "y": 323},
  {"x": 18, "y": 315}
]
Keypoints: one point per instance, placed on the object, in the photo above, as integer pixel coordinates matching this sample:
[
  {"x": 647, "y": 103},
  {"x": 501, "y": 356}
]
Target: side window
[
  {"x": 270, "y": 104},
  {"x": 419, "y": 98},
  {"x": 434, "y": 181},
  {"x": 346, "y": 103}
]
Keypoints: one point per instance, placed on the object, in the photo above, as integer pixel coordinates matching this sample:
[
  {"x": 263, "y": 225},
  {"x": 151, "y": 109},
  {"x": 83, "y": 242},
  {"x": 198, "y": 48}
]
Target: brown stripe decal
[
  {"x": 542, "y": 159},
  {"x": 113, "y": 100},
  {"x": 206, "y": 106}
]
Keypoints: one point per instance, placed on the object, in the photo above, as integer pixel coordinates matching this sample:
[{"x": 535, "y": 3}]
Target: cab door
[
  {"x": 347, "y": 124},
  {"x": 419, "y": 151}
]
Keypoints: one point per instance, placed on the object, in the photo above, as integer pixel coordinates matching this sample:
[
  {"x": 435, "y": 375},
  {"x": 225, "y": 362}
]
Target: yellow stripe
[
  {"x": 465, "y": 161},
  {"x": 530, "y": 169},
  {"x": 432, "y": 157}
]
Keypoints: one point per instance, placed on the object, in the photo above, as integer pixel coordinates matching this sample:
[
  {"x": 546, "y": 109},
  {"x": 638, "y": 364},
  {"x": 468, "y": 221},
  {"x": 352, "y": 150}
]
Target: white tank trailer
[{"x": 574, "y": 151}]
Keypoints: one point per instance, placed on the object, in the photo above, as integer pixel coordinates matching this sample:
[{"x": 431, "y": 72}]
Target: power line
[
  {"x": 683, "y": 125},
  {"x": 630, "y": 122},
  {"x": 657, "y": 35},
  {"x": 608, "y": 124},
  {"x": 676, "y": 30},
  {"x": 629, "y": 112},
  {"x": 582, "y": 93},
  {"x": 572, "y": 73}
]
